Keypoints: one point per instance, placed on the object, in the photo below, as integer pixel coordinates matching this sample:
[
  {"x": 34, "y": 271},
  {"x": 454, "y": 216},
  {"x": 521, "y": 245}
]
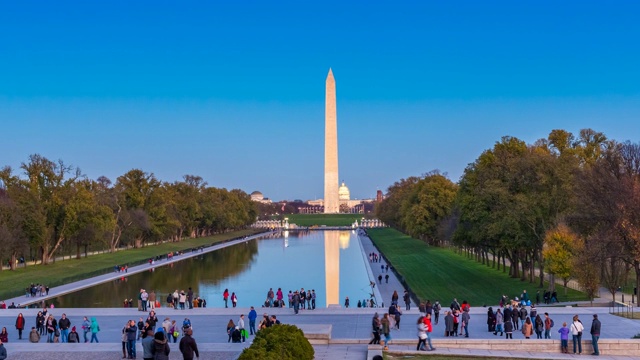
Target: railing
[{"x": 621, "y": 309}]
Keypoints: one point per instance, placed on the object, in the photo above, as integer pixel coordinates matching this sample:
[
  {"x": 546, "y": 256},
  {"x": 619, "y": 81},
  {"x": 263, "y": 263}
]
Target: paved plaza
[{"x": 351, "y": 327}]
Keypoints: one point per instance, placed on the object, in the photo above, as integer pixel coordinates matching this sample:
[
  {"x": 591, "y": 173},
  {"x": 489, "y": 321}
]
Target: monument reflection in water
[{"x": 290, "y": 261}]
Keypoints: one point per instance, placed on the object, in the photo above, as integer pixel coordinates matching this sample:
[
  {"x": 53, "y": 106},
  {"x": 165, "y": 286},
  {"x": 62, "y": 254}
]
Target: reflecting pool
[{"x": 330, "y": 262}]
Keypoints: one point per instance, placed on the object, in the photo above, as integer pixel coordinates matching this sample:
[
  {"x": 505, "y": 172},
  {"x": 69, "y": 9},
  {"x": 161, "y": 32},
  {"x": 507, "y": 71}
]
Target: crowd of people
[{"x": 155, "y": 339}]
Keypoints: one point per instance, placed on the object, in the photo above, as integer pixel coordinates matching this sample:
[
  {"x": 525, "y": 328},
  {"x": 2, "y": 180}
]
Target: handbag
[{"x": 176, "y": 334}]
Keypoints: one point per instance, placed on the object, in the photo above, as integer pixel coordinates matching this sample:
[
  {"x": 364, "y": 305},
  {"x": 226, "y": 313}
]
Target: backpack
[
  {"x": 170, "y": 298},
  {"x": 551, "y": 322}
]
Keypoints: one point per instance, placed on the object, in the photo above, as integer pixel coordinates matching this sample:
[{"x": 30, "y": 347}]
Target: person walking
[
  {"x": 422, "y": 334},
  {"x": 386, "y": 331},
  {"x": 576, "y": 332},
  {"x": 188, "y": 346},
  {"x": 429, "y": 327},
  {"x": 375, "y": 329},
  {"x": 86, "y": 328},
  {"x": 595, "y": 334},
  {"x": 94, "y": 328},
  {"x": 252, "y": 320}
]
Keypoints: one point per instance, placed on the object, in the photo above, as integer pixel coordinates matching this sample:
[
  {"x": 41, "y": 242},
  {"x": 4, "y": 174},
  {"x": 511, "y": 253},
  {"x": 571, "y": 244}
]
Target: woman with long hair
[
  {"x": 422, "y": 334},
  {"x": 230, "y": 327},
  {"x": 20, "y": 325}
]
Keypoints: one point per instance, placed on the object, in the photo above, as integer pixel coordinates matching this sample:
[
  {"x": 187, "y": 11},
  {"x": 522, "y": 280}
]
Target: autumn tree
[{"x": 560, "y": 250}]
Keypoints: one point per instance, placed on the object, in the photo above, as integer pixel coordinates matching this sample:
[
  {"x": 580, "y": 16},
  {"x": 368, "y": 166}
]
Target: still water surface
[{"x": 330, "y": 262}]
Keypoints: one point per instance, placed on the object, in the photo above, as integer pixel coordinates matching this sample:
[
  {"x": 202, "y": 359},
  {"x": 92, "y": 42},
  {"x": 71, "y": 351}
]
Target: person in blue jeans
[
  {"x": 252, "y": 320},
  {"x": 595, "y": 334},
  {"x": 132, "y": 331},
  {"x": 64, "y": 324}
]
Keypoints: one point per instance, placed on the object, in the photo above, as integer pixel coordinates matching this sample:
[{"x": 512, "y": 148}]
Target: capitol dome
[
  {"x": 343, "y": 192},
  {"x": 257, "y": 196}
]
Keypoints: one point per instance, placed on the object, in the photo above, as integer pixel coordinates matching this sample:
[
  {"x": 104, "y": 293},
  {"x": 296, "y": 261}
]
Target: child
[{"x": 564, "y": 338}]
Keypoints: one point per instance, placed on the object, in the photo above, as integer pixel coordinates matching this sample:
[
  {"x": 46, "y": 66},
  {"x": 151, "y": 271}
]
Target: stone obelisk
[{"x": 331, "y": 202}]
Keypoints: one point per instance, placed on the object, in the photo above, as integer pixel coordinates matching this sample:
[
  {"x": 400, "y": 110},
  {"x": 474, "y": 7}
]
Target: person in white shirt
[{"x": 576, "y": 330}]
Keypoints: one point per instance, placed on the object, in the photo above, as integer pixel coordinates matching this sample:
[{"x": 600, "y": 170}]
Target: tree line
[
  {"x": 568, "y": 205},
  {"x": 49, "y": 206}
]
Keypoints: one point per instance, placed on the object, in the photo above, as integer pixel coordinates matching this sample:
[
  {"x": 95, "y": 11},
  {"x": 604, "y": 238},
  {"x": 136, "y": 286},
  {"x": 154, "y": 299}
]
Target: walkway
[{"x": 386, "y": 288}]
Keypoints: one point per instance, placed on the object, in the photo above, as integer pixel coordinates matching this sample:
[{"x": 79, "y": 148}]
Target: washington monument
[{"x": 331, "y": 202}]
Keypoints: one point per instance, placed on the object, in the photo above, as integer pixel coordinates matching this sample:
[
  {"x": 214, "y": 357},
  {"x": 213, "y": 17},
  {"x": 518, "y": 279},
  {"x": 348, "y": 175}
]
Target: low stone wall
[
  {"x": 627, "y": 347},
  {"x": 317, "y": 334}
]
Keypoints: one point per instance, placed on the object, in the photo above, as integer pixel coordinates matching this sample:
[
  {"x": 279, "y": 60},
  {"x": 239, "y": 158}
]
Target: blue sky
[{"x": 234, "y": 91}]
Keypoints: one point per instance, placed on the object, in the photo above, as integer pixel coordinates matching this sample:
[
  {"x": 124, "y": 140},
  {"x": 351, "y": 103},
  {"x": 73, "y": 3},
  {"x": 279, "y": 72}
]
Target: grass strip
[
  {"x": 324, "y": 219},
  {"x": 67, "y": 271},
  {"x": 435, "y": 273}
]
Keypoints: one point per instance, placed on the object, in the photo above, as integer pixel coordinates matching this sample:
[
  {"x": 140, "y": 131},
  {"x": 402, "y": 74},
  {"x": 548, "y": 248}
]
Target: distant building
[
  {"x": 379, "y": 196},
  {"x": 346, "y": 204},
  {"x": 258, "y": 197}
]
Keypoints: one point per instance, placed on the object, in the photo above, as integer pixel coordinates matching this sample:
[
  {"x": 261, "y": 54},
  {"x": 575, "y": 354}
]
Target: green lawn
[
  {"x": 324, "y": 219},
  {"x": 64, "y": 272},
  {"x": 440, "y": 274}
]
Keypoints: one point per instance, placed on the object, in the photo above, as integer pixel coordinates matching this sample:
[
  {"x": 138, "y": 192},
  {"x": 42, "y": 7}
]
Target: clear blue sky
[{"x": 233, "y": 91}]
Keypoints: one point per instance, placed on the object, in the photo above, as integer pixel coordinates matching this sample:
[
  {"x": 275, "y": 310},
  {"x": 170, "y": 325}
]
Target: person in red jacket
[
  {"x": 20, "y": 325},
  {"x": 429, "y": 326}
]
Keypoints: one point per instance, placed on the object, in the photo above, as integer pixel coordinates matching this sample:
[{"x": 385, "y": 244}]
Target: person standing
[
  {"x": 595, "y": 334},
  {"x": 20, "y": 325},
  {"x": 508, "y": 328},
  {"x": 380, "y": 278},
  {"x": 34, "y": 335},
  {"x": 64, "y": 324},
  {"x": 465, "y": 322},
  {"x": 448, "y": 323},
  {"x": 161, "y": 348},
  {"x": 182, "y": 300},
  {"x": 152, "y": 299},
  {"x": 152, "y": 319},
  {"x": 313, "y": 298},
  {"x": 296, "y": 302},
  {"x": 576, "y": 331},
  {"x": 147, "y": 345},
  {"x": 144, "y": 298},
  {"x": 346, "y": 302},
  {"x": 51, "y": 324},
  {"x": 564, "y": 338},
  {"x": 270, "y": 296},
  {"x": 188, "y": 346},
  {"x": 190, "y": 297},
  {"x": 538, "y": 327},
  {"x": 407, "y": 300},
  {"x": 386, "y": 278},
  {"x": 547, "y": 326},
  {"x": 252, "y": 320},
  {"x": 234, "y": 299},
  {"x": 225, "y": 297},
  {"x": 436, "y": 310},
  {"x": 527, "y": 328},
  {"x": 3, "y": 351},
  {"x": 241, "y": 327},
  {"x": 499, "y": 318},
  {"x": 94, "y": 328},
  {"x": 131, "y": 330}
]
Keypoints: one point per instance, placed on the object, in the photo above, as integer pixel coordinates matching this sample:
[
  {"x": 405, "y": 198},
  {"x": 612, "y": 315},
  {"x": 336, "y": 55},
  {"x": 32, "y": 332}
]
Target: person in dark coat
[
  {"x": 595, "y": 334},
  {"x": 491, "y": 320},
  {"x": 161, "y": 349},
  {"x": 188, "y": 346},
  {"x": 448, "y": 324}
]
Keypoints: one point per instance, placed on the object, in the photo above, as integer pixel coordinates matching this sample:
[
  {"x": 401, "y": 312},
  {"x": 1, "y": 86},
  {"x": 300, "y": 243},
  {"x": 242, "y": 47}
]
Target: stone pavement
[{"x": 406, "y": 351}]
